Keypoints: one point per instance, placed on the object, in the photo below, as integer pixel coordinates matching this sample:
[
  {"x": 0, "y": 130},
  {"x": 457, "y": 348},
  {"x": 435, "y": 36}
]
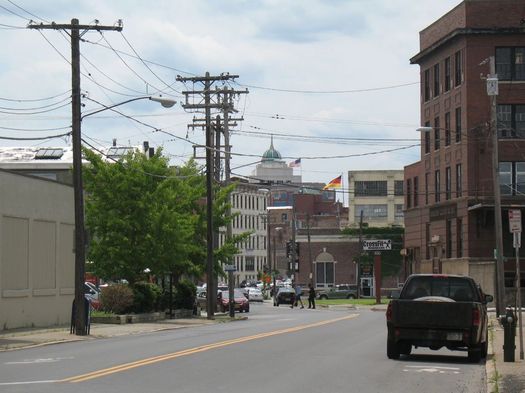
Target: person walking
[
  {"x": 311, "y": 296},
  {"x": 298, "y": 292}
]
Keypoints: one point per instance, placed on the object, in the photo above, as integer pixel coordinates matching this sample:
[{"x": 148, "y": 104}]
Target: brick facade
[{"x": 452, "y": 228}]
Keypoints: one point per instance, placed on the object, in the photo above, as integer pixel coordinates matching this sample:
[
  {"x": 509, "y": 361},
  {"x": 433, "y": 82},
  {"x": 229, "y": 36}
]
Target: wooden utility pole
[
  {"x": 492, "y": 91},
  {"x": 80, "y": 312},
  {"x": 211, "y": 101}
]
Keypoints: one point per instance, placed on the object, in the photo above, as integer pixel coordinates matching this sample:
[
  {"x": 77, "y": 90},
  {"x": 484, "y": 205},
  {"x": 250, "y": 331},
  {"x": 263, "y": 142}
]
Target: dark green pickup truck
[
  {"x": 435, "y": 311},
  {"x": 341, "y": 291}
]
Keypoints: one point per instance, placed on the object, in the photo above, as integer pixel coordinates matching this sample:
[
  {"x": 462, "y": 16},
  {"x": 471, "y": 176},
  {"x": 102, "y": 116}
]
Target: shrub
[
  {"x": 184, "y": 296},
  {"x": 116, "y": 299},
  {"x": 147, "y": 297}
]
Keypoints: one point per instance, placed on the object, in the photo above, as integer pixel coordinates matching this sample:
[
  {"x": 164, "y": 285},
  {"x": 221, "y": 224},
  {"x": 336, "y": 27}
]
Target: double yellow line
[{"x": 191, "y": 351}]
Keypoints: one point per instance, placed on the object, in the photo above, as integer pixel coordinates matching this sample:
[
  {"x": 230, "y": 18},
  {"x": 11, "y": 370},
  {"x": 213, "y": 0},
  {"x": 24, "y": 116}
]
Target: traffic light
[
  {"x": 297, "y": 251},
  {"x": 288, "y": 249}
]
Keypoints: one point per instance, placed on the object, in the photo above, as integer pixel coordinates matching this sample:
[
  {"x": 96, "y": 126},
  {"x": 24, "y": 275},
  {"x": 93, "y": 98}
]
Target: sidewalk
[{"x": 509, "y": 376}]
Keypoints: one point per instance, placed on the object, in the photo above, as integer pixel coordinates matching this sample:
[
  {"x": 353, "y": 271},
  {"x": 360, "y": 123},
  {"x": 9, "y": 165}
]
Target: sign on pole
[
  {"x": 515, "y": 220},
  {"x": 377, "y": 245},
  {"x": 230, "y": 268}
]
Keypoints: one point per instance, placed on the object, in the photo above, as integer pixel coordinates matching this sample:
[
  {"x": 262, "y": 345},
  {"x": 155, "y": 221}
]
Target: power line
[
  {"x": 35, "y": 138},
  {"x": 35, "y": 108},
  {"x": 327, "y": 91},
  {"x": 26, "y": 11},
  {"x": 34, "y": 129},
  {"x": 35, "y": 99}
]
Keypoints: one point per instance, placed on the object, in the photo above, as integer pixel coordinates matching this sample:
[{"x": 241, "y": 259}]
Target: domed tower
[
  {"x": 273, "y": 168},
  {"x": 271, "y": 154}
]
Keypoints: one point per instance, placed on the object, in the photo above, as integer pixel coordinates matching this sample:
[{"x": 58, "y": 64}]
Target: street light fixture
[{"x": 80, "y": 322}]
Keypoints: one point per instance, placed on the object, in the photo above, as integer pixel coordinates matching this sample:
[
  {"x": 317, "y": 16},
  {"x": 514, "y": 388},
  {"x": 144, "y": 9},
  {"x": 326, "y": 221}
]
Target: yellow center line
[{"x": 191, "y": 351}]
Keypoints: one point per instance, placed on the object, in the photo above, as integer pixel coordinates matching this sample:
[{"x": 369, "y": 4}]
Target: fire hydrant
[{"x": 509, "y": 338}]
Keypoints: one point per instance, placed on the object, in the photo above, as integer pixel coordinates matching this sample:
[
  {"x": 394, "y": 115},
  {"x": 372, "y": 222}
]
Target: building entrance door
[{"x": 367, "y": 287}]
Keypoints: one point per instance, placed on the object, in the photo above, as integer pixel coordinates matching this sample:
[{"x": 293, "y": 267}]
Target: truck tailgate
[{"x": 428, "y": 314}]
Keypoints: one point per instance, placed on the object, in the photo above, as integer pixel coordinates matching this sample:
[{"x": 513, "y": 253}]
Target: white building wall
[
  {"x": 390, "y": 200},
  {"x": 36, "y": 252}
]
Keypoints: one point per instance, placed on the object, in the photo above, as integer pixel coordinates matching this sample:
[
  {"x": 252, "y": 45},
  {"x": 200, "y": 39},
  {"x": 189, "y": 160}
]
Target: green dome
[{"x": 271, "y": 154}]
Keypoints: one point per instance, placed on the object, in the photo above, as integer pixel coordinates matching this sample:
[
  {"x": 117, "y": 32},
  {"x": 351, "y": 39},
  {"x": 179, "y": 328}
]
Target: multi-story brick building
[{"x": 449, "y": 198}]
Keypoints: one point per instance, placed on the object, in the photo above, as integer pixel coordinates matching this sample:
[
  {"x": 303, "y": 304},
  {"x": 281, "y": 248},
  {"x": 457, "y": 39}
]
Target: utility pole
[
  {"x": 313, "y": 279},
  {"x": 80, "y": 312},
  {"x": 211, "y": 238},
  {"x": 358, "y": 276},
  {"x": 492, "y": 91}
]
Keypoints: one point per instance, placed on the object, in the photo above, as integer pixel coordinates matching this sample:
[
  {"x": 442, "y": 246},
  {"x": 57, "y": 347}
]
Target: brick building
[{"x": 449, "y": 199}]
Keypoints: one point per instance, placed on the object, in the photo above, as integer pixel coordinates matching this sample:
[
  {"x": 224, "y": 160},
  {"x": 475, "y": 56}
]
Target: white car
[{"x": 254, "y": 294}]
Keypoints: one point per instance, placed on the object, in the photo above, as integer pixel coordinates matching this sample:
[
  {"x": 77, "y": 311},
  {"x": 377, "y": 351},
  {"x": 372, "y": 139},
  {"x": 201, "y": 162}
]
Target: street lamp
[
  {"x": 80, "y": 322},
  {"x": 277, "y": 231}
]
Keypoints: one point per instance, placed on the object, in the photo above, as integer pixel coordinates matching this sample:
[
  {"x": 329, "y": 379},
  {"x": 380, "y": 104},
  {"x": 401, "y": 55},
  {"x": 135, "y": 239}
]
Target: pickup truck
[
  {"x": 341, "y": 291},
  {"x": 435, "y": 311}
]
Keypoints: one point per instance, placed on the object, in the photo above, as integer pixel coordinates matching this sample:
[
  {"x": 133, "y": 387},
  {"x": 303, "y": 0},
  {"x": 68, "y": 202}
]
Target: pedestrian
[
  {"x": 311, "y": 296},
  {"x": 298, "y": 293},
  {"x": 292, "y": 296}
]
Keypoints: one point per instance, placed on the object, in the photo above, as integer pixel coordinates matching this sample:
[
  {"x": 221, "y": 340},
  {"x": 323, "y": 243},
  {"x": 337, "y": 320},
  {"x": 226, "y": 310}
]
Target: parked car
[
  {"x": 241, "y": 303},
  {"x": 254, "y": 294},
  {"x": 437, "y": 311},
  {"x": 285, "y": 295},
  {"x": 341, "y": 291}
]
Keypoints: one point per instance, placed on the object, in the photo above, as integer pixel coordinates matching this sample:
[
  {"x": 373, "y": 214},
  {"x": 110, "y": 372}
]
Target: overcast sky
[{"x": 282, "y": 51}]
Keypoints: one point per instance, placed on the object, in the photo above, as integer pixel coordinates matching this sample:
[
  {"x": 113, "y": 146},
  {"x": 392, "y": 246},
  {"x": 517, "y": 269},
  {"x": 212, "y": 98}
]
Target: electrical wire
[
  {"x": 169, "y": 86},
  {"x": 37, "y": 112},
  {"x": 35, "y": 99},
  {"x": 35, "y": 138},
  {"x": 37, "y": 107},
  {"x": 13, "y": 13},
  {"x": 34, "y": 129},
  {"x": 11, "y": 27},
  {"x": 326, "y": 91}
]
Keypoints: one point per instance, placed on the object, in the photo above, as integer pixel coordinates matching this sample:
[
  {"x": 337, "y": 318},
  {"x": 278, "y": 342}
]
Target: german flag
[{"x": 336, "y": 183}]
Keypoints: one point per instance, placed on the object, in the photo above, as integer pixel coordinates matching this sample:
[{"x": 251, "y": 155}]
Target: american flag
[{"x": 295, "y": 164}]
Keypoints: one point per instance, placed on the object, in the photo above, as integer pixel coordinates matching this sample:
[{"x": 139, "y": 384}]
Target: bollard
[{"x": 509, "y": 328}]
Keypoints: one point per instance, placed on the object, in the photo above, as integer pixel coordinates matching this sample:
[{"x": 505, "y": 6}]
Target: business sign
[
  {"x": 515, "y": 220},
  {"x": 229, "y": 268},
  {"x": 377, "y": 245}
]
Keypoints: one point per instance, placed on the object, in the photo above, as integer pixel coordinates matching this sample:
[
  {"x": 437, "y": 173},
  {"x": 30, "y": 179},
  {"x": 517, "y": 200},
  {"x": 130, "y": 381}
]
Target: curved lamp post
[{"x": 79, "y": 311}]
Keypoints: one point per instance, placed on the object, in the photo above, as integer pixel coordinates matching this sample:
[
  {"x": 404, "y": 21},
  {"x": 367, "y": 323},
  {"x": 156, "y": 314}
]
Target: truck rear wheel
[
  {"x": 474, "y": 354},
  {"x": 392, "y": 349}
]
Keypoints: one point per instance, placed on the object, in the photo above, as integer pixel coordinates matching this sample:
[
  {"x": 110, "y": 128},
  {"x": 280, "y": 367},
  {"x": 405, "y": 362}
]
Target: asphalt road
[{"x": 275, "y": 350}]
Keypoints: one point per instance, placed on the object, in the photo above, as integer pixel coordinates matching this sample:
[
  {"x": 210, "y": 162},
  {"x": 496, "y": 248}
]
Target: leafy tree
[{"x": 391, "y": 261}]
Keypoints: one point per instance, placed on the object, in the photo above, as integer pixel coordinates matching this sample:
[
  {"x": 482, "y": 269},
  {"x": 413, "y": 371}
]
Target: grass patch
[
  {"x": 96, "y": 313},
  {"x": 362, "y": 302}
]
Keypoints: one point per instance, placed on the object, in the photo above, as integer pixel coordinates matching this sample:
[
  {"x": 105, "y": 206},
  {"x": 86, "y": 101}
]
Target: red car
[{"x": 241, "y": 303}]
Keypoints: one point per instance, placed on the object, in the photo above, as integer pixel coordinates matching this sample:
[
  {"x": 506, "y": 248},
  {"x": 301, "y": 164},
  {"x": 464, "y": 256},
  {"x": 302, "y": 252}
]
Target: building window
[
  {"x": 427, "y": 138},
  {"x": 436, "y": 80},
  {"x": 426, "y": 84},
  {"x": 459, "y": 237},
  {"x": 398, "y": 187},
  {"x": 447, "y": 129},
  {"x": 458, "y": 124},
  {"x": 448, "y": 235},
  {"x": 409, "y": 194},
  {"x": 458, "y": 68},
  {"x": 510, "y": 63},
  {"x": 437, "y": 134},
  {"x": 250, "y": 264},
  {"x": 371, "y": 188},
  {"x": 427, "y": 180},
  {"x": 371, "y": 212},
  {"x": 512, "y": 178},
  {"x": 511, "y": 121},
  {"x": 398, "y": 213},
  {"x": 437, "y": 186},
  {"x": 447, "y": 74},
  {"x": 505, "y": 178},
  {"x": 448, "y": 183},
  {"x": 416, "y": 191},
  {"x": 427, "y": 241},
  {"x": 325, "y": 274},
  {"x": 458, "y": 180}
]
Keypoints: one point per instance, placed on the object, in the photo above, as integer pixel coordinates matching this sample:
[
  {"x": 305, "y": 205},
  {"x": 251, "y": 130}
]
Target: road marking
[
  {"x": 433, "y": 369},
  {"x": 36, "y": 361},
  {"x": 27, "y": 382},
  {"x": 191, "y": 351}
]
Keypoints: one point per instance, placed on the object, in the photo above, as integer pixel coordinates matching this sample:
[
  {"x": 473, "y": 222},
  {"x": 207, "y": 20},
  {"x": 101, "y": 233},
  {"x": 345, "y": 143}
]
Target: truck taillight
[
  {"x": 389, "y": 312},
  {"x": 476, "y": 318}
]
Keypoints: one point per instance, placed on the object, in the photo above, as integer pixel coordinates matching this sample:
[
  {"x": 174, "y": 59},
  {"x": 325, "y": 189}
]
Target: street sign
[
  {"x": 515, "y": 220},
  {"x": 229, "y": 268},
  {"x": 377, "y": 245}
]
